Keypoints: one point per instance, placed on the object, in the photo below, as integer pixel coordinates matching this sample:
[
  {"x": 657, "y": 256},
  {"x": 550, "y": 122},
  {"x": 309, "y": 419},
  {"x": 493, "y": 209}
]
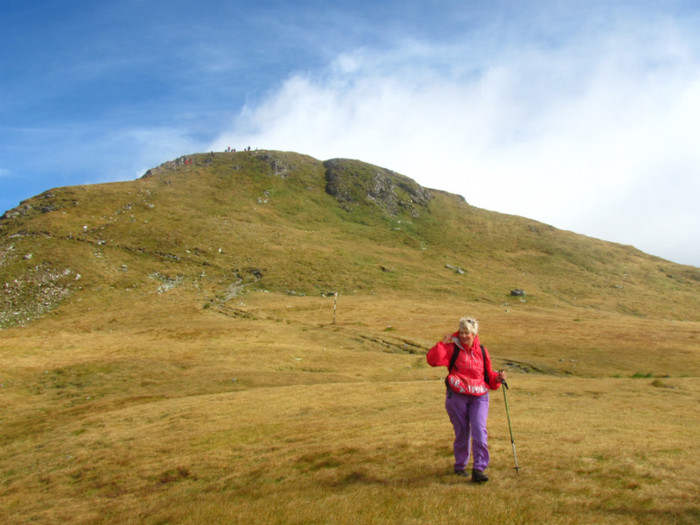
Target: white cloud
[{"x": 594, "y": 136}]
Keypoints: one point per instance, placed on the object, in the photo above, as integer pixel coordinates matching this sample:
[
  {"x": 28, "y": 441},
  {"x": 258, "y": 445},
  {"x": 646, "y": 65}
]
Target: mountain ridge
[{"x": 210, "y": 223}]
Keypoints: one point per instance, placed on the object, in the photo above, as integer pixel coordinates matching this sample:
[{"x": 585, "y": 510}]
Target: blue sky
[{"x": 583, "y": 115}]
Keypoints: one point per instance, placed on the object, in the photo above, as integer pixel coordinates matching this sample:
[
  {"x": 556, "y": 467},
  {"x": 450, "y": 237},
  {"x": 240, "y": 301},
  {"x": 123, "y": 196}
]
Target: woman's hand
[
  {"x": 501, "y": 376},
  {"x": 447, "y": 339}
]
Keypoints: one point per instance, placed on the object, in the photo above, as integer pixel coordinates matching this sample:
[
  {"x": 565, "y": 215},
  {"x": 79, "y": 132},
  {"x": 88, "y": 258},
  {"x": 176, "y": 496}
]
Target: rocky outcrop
[
  {"x": 179, "y": 164},
  {"x": 38, "y": 291},
  {"x": 279, "y": 167},
  {"x": 353, "y": 182},
  {"x": 44, "y": 203}
]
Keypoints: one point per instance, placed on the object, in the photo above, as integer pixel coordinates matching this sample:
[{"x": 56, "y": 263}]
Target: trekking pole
[
  {"x": 335, "y": 304},
  {"x": 510, "y": 428}
]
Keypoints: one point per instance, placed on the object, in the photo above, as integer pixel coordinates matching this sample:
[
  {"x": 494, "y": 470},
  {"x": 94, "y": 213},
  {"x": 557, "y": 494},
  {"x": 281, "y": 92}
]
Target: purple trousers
[{"x": 468, "y": 415}]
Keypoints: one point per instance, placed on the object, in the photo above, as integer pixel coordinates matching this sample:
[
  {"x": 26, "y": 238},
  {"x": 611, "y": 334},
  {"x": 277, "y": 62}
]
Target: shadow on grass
[{"x": 689, "y": 515}]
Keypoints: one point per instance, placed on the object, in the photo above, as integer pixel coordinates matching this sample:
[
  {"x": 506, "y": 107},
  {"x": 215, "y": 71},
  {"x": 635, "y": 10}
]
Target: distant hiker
[{"x": 470, "y": 377}]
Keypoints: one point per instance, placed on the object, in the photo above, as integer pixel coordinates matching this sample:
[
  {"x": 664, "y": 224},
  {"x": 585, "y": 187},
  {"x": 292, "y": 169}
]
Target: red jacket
[{"x": 467, "y": 375}]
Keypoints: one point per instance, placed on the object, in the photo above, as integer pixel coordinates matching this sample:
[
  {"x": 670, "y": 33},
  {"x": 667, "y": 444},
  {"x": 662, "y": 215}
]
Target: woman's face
[{"x": 466, "y": 339}]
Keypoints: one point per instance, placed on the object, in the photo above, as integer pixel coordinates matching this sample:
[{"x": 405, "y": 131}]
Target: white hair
[{"x": 469, "y": 324}]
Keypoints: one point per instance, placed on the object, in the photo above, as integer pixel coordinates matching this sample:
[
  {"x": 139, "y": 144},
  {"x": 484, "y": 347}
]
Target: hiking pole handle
[{"x": 503, "y": 381}]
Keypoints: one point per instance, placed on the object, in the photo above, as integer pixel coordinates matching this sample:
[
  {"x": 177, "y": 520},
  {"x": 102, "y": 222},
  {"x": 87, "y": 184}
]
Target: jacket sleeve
[
  {"x": 440, "y": 354},
  {"x": 494, "y": 383}
]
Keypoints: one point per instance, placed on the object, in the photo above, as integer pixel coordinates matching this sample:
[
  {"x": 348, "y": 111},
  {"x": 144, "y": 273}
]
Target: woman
[{"x": 470, "y": 377}]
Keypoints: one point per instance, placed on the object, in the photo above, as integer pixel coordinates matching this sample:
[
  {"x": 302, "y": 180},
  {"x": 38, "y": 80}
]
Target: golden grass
[
  {"x": 266, "y": 412},
  {"x": 155, "y": 394},
  {"x": 367, "y": 452}
]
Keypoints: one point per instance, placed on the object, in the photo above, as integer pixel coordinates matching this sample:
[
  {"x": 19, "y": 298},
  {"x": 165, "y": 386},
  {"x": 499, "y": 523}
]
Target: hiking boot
[
  {"x": 462, "y": 473},
  {"x": 478, "y": 476}
]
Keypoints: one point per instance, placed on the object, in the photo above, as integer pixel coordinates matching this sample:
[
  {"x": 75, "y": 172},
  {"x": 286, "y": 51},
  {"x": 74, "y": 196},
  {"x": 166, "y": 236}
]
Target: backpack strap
[
  {"x": 453, "y": 360},
  {"x": 486, "y": 372}
]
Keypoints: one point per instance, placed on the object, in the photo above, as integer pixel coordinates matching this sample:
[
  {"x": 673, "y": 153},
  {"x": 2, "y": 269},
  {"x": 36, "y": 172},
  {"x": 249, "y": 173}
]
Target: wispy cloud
[
  {"x": 580, "y": 114},
  {"x": 594, "y": 135}
]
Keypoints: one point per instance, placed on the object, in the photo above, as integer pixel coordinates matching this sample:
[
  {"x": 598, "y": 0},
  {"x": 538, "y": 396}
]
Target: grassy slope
[
  {"x": 210, "y": 223},
  {"x": 278, "y": 416},
  {"x": 153, "y": 394}
]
